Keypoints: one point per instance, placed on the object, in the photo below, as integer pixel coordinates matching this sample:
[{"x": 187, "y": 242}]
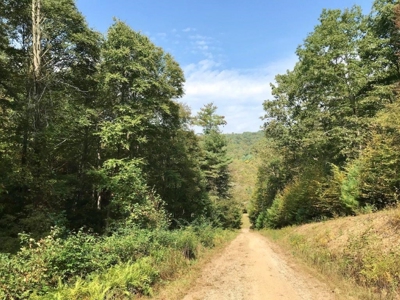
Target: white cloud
[
  {"x": 189, "y": 29},
  {"x": 237, "y": 93}
]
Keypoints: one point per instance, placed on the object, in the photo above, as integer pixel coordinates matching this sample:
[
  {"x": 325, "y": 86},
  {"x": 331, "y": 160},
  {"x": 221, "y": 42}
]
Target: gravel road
[{"x": 250, "y": 269}]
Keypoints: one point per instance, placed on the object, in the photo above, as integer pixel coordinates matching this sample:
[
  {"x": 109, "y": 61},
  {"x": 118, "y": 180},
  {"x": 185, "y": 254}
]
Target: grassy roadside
[
  {"x": 166, "y": 270},
  {"x": 165, "y": 274},
  {"x": 360, "y": 254},
  {"x": 126, "y": 265},
  {"x": 177, "y": 286}
]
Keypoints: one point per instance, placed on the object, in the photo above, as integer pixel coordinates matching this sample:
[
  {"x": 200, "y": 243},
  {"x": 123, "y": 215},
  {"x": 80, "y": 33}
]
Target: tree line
[
  {"x": 242, "y": 148},
  {"x": 332, "y": 126},
  {"x": 92, "y": 133}
]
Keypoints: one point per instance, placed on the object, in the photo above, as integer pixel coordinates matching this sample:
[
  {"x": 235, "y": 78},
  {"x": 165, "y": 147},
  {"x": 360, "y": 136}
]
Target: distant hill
[
  {"x": 241, "y": 148},
  {"x": 241, "y": 145}
]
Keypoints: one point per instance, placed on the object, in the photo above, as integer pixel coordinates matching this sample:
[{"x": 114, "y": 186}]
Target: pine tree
[
  {"x": 215, "y": 166},
  {"x": 215, "y": 161}
]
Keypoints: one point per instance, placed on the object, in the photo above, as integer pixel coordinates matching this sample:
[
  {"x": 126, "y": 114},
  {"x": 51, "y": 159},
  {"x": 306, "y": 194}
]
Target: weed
[{"x": 85, "y": 266}]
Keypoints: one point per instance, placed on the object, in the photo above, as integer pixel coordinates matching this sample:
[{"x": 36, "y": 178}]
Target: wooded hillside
[
  {"x": 92, "y": 133},
  {"x": 243, "y": 149},
  {"x": 332, "y": 126}
]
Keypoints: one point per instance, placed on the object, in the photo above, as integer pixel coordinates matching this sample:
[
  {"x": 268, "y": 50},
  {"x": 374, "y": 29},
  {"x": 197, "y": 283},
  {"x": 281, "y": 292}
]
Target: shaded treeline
[
  {"x": 91, "y": 131},
  {"x": 332, "y": 127}
]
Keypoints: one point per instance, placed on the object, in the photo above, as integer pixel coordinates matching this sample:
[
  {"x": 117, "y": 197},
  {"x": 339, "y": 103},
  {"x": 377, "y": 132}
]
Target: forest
[
  {"x": 107, "y": 190},
  {"x": 100, "y": 167},
  {"x": 332, "y": 127}
]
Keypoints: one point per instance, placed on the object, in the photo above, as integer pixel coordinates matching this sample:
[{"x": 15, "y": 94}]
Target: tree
[
  {"x": 207, "y": 119},
  {"x": 91, "y": 132},
  {"x": 140, "y": 119},
  {"x": 215, "y": 161},
  {"x": 215, "y": 166},
  {"x": 320, "y": 115},
  {"x": 45, "y": 106}
]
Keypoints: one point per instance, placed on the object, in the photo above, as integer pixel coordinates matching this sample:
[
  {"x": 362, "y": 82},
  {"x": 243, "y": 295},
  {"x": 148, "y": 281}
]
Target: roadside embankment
[{"x": 361, "y": 251}]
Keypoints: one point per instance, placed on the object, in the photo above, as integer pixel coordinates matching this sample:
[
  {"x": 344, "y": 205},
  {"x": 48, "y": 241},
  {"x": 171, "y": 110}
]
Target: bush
[
  {"x": 340, "y": 192},
  {"x": 82, "y": 265},
  {"x": 299, "y": 201},
  {"x": 116, "y": 283},
  {"x": 379, "y": 179},
  {"x": 227, "y": 214}
]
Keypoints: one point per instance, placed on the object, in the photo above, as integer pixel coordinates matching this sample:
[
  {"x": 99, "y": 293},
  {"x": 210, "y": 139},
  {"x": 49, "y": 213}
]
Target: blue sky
[{"x": 230, "y": 50}]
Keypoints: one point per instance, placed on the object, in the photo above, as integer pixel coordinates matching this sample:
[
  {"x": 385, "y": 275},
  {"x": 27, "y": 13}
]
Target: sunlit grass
[{"x": 360, "y": 254}]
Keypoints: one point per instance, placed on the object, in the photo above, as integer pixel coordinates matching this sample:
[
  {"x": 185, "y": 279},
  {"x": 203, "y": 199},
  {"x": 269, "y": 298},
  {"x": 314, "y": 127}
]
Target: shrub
[
  {"x": 227, "y": 214},
  {"x": 379, "y": 180},
  {"x": 82, "y": 265},
  {"x": 340, "y": 192},
  {"x": 298, "y": 202}
]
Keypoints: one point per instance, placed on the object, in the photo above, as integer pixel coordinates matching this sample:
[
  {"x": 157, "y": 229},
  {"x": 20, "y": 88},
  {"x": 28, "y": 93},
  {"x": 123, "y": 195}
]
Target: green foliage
[
  {"x": 298, "y": 202},
  {"x": 94, "y": 142},
  {"x": 328, "y": 114},
  {"x": 350, "y": 190},
  {"x": 242, "y": 145},
  {"x": 227, "y": 214},
  {"x": 215, "y": 164},
  {"x": 272, "y": 176},
  {"x": 116, "y": 145},
  {"x": 379, "y": 180},
  {"x": 225, "y": 211},
  {"x": 120, "y": 281},
  {"x": 208, "y": 119},
  {"x": 341, "y": 190},
  {"x": 243, "y": 169},
  {"x": 178, "y": 178},
  {"x": 312, "y": 197},
  {"x": 72, "y": 266}
]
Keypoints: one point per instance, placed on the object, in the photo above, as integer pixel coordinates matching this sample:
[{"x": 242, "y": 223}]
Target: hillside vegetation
[
  {"x": 332, "y": 127},
  {"x": 104, "y": 187},
  {"x": 243, "y": 149},
  {"x": 362, "y": 250},
  {"x": 124, "y": 265},
  {"x": 332, "y": 150}
]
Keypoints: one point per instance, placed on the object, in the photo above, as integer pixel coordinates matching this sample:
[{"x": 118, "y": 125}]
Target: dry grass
[
  {"x": 178, "y": 285},
  {"x": 362, "y": 250}
]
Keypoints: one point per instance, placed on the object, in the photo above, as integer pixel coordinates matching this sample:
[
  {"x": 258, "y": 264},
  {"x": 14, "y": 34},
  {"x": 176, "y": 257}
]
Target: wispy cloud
[
  {"x": 189, "y": 29},
  {"x": 204, "y": 45},
  {"x": 238, "y": 93}
]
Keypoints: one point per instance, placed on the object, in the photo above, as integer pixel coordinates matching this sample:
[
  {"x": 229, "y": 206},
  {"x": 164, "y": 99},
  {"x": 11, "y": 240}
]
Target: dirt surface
[{"x": 250, "y": 269}]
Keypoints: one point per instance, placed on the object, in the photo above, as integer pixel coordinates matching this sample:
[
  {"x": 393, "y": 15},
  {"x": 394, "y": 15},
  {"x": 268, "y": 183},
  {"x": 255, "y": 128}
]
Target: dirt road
[{"x": 250, "y": 269}]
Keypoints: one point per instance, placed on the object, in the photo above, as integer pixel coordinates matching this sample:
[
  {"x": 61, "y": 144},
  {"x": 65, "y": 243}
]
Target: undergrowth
[{"x": 85, "y": 266}]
